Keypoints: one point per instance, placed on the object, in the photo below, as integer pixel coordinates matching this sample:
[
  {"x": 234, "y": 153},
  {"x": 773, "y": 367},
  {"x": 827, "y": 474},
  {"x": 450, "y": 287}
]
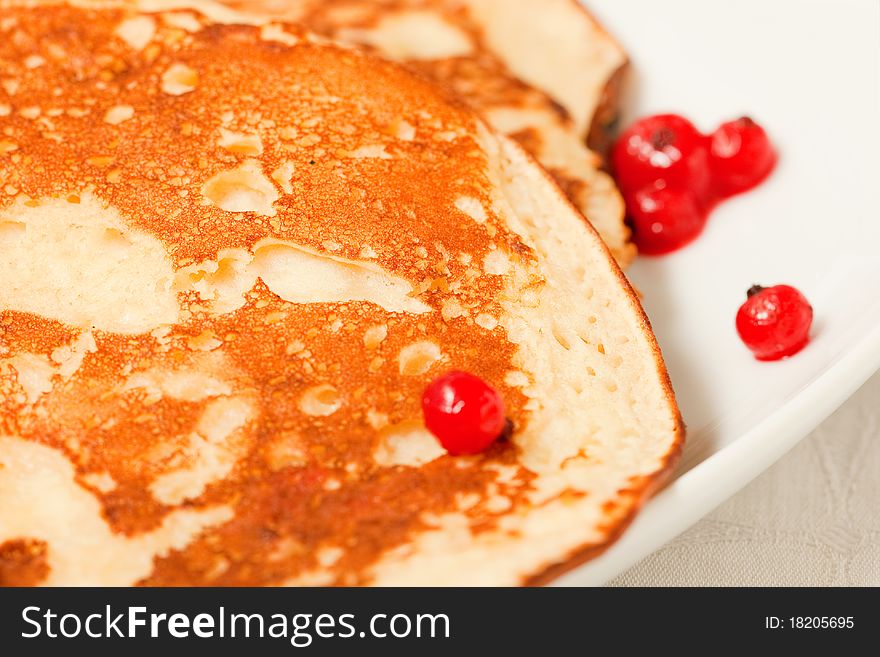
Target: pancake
[
  {"x": 231, "y": 259},
  {"x": 542, "y": 71}
]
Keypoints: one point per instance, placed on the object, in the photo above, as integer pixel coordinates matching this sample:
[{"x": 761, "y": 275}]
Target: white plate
[{"x": 808, "y": 70}]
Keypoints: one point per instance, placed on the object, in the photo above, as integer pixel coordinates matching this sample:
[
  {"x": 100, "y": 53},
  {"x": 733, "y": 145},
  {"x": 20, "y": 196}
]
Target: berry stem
[{"x": 755, "y": 289}]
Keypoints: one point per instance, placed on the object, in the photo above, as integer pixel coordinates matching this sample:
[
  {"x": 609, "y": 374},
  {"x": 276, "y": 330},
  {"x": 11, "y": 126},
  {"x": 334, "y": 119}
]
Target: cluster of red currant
[{"x": 672, "y": 175}]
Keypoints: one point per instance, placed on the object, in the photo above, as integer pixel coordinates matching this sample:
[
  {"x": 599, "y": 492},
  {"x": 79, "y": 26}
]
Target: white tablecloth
[{"x": 813, "y": 519}]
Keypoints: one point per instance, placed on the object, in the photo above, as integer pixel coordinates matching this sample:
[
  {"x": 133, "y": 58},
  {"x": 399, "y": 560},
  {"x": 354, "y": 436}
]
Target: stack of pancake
[{"x": 237, "y": 243}]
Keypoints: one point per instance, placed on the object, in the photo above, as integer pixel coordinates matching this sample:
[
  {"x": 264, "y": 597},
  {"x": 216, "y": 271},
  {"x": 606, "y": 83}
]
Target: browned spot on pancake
[
  {"x": 294, "y": 507},
  {"x": 23, "y": 562},
  {"x": 573, "y": 187},
  {"x": 604, "y": 128},
  {"x": 529, "y": 138},
  {"x": 26, "y": 332}
]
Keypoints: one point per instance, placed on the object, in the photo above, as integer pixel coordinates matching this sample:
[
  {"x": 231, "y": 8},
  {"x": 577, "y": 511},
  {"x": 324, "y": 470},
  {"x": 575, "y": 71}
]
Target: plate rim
[{"x": 734, "y": 466}]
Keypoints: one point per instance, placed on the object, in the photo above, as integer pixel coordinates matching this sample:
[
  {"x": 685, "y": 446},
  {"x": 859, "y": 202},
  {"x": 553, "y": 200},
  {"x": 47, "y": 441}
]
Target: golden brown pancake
[
  {"x": 542, "y": 71},
  {"x": 231, "y": 259}
]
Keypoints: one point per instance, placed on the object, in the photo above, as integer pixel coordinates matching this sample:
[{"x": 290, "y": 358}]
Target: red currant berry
[
  {"x": 464, "y": 412},
  {"x": 664, "y": 219},
  {"x": 774, "y": 322},
  {"x": 664, "y": 147},
  {"x": 741, "y": 156}
]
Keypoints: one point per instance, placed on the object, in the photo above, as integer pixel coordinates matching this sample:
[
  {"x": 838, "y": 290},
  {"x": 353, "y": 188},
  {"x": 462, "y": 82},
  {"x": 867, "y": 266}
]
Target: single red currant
[
  {"x": 774, "y": 322},
  {"x": 664, "y": 219},
  {"x": 740, "y": 157},
  {"x": 464, "y": 412},
  {"x": 664, "y": 147}
]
